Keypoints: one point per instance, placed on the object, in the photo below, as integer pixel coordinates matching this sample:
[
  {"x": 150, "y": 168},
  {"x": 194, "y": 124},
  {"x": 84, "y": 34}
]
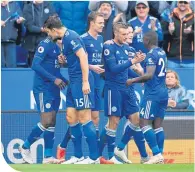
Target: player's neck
[
  {"x": 63, "y": 31},
  {"x": 93, "y": 33},
  {"x": 151, "y": 47},
  {"x": 117, "y": 42}
]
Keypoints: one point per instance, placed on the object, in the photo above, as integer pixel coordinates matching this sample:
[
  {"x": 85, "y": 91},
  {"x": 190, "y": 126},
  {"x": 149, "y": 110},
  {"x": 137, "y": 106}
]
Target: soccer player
[
  {"x": 117, "y": 96},
  {"x": 46, "y": 89},
  {"x": 155, "y": 97},
  {"x": 138, "y": 135},
  {"x": 80, "y": 93},
  {"x": 94, "y": 47}
]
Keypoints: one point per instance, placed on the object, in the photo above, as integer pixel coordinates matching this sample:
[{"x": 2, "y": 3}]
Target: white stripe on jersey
[{"x": 109, "y": 102}]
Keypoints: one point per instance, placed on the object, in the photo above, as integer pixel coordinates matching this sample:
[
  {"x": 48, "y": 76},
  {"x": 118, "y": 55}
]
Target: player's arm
[
  {"x": 147, "y": 76},
  {"x": 150, "y": 70},
  {"x": 36, "y": 63},
  {"x": 138, "y": 69},
  {"x": 110, "y": 60},
  {"x": 82, "y": 55},
  {"x": 132, "y": 74}
]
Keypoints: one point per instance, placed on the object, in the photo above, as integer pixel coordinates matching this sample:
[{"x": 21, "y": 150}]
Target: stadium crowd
[{"x": 22, "y": 26}]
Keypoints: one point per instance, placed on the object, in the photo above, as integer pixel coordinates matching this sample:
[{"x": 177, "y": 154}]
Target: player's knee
[
  {"x": 95, "y": 120},
  {"x": 113, "y": 123},
  {"x": 84, "y": 119},
  {"x": 84, "y": 116},
  {"x": 49, "y": 124}
]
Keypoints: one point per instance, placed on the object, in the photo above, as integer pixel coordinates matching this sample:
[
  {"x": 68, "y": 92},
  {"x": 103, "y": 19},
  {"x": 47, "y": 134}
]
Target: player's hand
[
  {"x": 61, "y": 84},
  {"x": 129, "y": 82},
  {"x": 97, "y": 68},
  {"x": 109, "y": 42},
  {"x": 62, "y": 59},
  {"x": 86, "y": 88},
  {"x": 139, "y": 57},
  {"x": 2, "y": 23},
  {"x": 137, "y": 68}
]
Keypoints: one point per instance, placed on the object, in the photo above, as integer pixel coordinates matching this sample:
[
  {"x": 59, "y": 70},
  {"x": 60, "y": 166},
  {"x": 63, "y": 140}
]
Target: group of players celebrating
[{"x": 87, "y": 56}]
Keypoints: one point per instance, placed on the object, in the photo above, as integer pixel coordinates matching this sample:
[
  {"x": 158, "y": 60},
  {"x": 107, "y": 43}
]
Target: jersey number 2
[{"x": 161, "y": 63}]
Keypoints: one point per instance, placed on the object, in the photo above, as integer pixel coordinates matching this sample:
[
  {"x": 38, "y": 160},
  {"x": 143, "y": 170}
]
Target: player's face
[
  {"x": 98, "y": 24},
  {"x": 141, "y": 10},
  {"x": 130, "y": 35},
  {"x": 170, "y": 79},
  {"x": 122, "y": 35},
  {"x": 53, "y": 33}
]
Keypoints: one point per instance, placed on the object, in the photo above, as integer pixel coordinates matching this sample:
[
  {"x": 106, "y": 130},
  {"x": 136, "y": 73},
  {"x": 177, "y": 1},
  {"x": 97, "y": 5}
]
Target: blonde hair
[{"x": 176, "y": 77}]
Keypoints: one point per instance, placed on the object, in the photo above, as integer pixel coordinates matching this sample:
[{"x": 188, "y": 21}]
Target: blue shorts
[
  {"x": 76, "y": 99},
  {"x": 152, "y": 109},
  {"x": 97, "y": 100},
  {"x": 46, "y": 102},
  {"x": 120, "y": 102}
]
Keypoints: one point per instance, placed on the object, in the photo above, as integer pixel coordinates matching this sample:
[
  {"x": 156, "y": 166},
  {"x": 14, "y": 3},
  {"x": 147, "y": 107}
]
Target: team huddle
[{"x": 87, "y": 57}]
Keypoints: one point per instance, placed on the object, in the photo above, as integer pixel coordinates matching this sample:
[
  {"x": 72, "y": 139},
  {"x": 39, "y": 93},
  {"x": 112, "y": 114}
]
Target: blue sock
[
  {"x": 34, "y": 135},
  {"x": 76, "y": 135},
  {"x": 49, "y": 141},
  {"x": 103, "y": 141},
  {"x": 90, "y": 135},
  {"x": 160, "y": 137},
  {"x": 126, "y": 137},
  {"x": 98, "y": 137},
  {"x": 111, "y": 137},
  {"x": 66, "y": 139},
  {"x": 151, "y": 139},
  {"x": 140, "y": 142}
]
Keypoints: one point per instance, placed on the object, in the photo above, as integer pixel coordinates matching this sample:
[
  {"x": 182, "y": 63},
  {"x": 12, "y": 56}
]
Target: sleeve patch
[
  {"x": 106, "y": 52},
  {"x": 41, "y": 49}
]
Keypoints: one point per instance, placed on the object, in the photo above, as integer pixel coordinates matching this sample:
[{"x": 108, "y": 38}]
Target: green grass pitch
[{"x": 105, "y": 168}]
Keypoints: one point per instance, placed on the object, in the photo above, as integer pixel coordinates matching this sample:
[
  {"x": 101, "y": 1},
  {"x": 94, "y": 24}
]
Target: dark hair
[
  {"x": 108, "y": 2},
  {"x": 152, "y": 37},
  {"x": 92, "y": 17},
  {"x": 53, "y": 22},
  {"x": 119, "y": 25}
]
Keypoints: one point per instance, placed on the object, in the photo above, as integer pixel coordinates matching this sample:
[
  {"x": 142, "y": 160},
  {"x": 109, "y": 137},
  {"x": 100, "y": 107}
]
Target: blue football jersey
[
  {"x": 155, "y": 88},
  {"x": 71, "y": 44},
  {"x": 46, "y": 67},
  {"x": 94, "y": 48},
  {"x": 116, "y": 65},
  {"x": 146, "y": 26}
]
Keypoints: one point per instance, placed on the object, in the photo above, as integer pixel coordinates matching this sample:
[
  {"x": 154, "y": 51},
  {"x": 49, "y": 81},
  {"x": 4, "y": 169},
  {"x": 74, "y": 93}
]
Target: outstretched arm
[{"x": 147, "y": 76}]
